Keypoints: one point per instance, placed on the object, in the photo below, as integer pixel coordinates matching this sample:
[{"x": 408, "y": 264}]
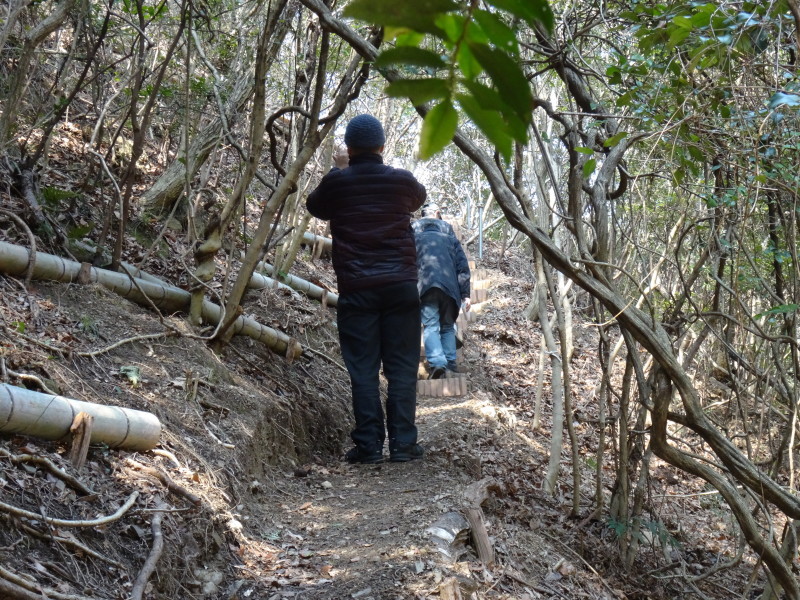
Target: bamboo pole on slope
[
  {"x": 301, "y": 285},
  {"x": 14, "y": 261},
  {"x": 324, "y": 243},
  {"x": 26, "y": 412}
]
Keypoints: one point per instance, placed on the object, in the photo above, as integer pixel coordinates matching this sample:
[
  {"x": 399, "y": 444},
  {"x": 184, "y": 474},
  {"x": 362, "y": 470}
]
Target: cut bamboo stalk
[
  {"x": 322, "y": 243},
  {"x": 301, "y": 285},
  {"x": 447, "y": 387},
  {"x": 81, "y": 430},
  {"x": 479, "y": 296},
  {"x": 14, "y": 261},
  {"x": 48, "y": 417},
  {"x": 449, "y": 590}
]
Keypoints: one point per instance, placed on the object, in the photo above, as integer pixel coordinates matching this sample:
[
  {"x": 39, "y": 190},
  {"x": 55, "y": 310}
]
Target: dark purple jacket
[{"x": 369, "y": 205}]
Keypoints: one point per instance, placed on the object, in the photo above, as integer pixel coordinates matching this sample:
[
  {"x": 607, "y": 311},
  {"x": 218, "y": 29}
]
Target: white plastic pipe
[{"x": 327, "y": 243}]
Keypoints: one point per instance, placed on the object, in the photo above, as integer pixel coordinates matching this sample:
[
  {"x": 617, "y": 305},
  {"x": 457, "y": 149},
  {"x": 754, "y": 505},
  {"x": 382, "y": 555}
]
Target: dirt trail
[
  {"x": 356, "y": 531},
  {"x": 369, "y": 532}
]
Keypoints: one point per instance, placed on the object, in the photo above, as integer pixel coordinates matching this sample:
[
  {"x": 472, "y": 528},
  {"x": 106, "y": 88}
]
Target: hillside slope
[{"x": 256, "y": 502}]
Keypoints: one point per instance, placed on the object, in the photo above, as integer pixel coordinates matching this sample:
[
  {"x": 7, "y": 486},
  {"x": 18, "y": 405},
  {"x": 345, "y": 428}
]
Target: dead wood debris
[
  {"x": 15, "y": 587},
  {"x": 73, "y": 482},
  {"x": 13, "y": 510},
  {"x": 152, "y": 559},
  {"x": 166, "y": 480}
]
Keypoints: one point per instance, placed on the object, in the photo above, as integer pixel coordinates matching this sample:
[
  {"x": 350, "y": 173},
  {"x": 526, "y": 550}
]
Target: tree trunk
[
  {"x": 21, "y": 71},
  {"x": 556, "y": 386}
]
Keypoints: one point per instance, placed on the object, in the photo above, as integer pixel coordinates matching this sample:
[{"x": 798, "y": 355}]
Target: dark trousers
[{"x": 381, "y": 325}]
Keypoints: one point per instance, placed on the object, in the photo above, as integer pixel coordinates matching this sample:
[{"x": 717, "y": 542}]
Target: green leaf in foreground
[
  {"x": 532, "y": 11},
  {"x": 589, "y": 166},
  {"x": 409, "y": 55},
  {"x": 419, "y": 91},
  {"x": 500, "y": 33},
  {"x": 508, "y": 77},
  {"x": 779, "y": 310},
  {"x": 491, "y": 100},
  {"x": 438, "y": 129},
  {"x": 490, "y": 122},
  {"x": 615, "y": 139},
  {"x": 418, "y": 16}
]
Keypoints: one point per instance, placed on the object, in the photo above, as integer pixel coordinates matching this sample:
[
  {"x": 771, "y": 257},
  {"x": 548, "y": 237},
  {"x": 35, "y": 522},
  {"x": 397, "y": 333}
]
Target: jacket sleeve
[
  {"x": 316, "y": 202},
  {"x": 462, "y": 268},
  {"x": 418, "y": 191}
]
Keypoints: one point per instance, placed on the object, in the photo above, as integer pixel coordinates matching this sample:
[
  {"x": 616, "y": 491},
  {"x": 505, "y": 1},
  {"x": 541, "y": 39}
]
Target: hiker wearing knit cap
[
  {"x": 364, "y": 132},
  {"x": 369, "y": 205}
]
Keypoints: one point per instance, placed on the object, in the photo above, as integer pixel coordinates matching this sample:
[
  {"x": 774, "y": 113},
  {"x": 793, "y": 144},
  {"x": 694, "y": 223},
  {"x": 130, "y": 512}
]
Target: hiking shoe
[
  {"x": 453, "y": 368},
  {"x": 406, "y": 453},
  {"x": 357, "y": 456},
  {"x": 437, "y": 373}
]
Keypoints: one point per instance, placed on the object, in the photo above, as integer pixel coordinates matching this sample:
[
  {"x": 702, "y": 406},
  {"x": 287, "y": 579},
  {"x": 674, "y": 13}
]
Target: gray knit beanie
[{"x": 364, "y": 132}]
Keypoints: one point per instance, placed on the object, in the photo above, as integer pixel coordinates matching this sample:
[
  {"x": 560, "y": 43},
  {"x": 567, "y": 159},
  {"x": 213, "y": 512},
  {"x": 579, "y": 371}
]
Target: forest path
[
  {"x": 338, "y": 531},
  {"x": 361, "y": 531}
]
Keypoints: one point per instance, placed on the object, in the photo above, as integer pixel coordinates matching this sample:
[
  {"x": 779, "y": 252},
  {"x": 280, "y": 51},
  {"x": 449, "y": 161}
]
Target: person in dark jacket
[
  {"x": 444, "y": 281},
  {"x": 369, "y": 205}
]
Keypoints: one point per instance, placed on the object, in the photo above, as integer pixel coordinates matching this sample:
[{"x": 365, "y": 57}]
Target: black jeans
[{"x": 381, "y": 325}]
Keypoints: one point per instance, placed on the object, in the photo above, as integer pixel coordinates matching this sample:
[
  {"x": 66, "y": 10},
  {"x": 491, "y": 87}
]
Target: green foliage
[
  {"x": 88, "y": 325},
  {"x": 80, "y": 232},
  {"x": 779, "y": 310},
  {"x": 150, "y": 12},
  {"x": 438, "y": 129},
  {"x": 474, "y": 64},
  {"x": 589, "y": 167},
  {"x": 52, "y": 196},
  {"x": 656, "y": 528},
  {"x": 132, "y": 372}
]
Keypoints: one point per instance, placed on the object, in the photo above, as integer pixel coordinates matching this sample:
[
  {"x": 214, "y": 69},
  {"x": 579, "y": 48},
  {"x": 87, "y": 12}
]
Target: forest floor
[{"x": 259, "y": 504}]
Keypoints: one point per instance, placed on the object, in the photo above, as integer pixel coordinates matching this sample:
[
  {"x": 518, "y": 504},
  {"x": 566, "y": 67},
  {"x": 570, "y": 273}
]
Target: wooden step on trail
[
  {"x": 455, "y": 384},
  {"x": 480, "y": 274},
  {"x": 478, "y": 296}
]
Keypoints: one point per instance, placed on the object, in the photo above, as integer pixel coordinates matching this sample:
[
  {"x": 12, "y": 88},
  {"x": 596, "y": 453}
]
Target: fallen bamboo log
[
  {"x": 301, "y": 285},
  {"x": 325, "y": 244},
  {"x": 260, "y": 282},
  {"x": 14, "y": 261},
  {"x": 26, "y": 412}
]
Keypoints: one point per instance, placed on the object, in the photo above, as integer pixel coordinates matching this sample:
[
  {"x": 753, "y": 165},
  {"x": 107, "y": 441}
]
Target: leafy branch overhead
[{"x": 456, "y": 55}]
